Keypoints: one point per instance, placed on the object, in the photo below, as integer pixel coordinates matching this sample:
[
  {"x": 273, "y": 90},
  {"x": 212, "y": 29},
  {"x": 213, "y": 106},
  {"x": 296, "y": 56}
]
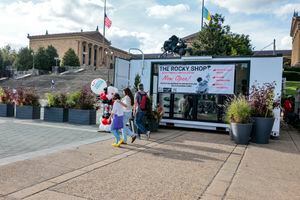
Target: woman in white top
[
  {"x": 117, "y": 115},
  {"x": 127, "y": 102}
]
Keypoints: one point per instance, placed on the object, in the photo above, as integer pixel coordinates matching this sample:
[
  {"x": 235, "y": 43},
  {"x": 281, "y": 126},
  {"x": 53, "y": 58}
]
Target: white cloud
[
  {"x": 285, "y": 43},
  {"x": 166, "y": 27},
  {"x": 161, "y": 11},
  {"x": 246, "y": 6},
  {"x": 287, "y": 9}
]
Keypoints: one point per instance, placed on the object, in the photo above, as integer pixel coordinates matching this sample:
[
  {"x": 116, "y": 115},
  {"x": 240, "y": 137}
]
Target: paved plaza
[{"x": 76, "y": 162}]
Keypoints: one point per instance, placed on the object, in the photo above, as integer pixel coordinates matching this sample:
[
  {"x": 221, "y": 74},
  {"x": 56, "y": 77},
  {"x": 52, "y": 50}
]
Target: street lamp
[
  {"x": 56, "y": 59},
  {"x": 32, "y": 53},
  {"x": 143, "y": 57}
]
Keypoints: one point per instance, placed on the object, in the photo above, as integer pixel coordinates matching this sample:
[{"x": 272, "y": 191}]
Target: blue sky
[{"x": 145, "y": 24}]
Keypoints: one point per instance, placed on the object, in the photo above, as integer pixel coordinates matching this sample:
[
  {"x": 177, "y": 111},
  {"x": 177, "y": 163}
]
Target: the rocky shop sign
[{"x": 201, "y": 79}]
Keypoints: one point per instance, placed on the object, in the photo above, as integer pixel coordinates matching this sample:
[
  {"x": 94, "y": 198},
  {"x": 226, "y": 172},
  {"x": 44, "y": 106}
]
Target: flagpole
[
  {"x": 104, "y": 20},
  {"x": 103, "y": 39},
  {"x": 202, "y": 15}
]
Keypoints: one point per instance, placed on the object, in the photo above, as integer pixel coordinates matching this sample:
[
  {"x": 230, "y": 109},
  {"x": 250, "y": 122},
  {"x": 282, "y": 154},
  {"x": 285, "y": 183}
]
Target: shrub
[
  {"x": 84, "y": 99},
  {"x": 26, "y": 97},
  {"x": 293, "y": 69},
  {"x": 262, "y": 100},
  {"x": 57, "y": 100},
  {"x": 291, "y": 75},
  {"x": 6, "y": 95},
  {"x": 238, "y": 110},
  {"x": 70, "y": 59}
]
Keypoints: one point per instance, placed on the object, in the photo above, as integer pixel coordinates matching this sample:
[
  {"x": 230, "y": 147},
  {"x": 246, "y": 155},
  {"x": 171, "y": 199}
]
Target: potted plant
[
  {"x": 27, "y": 104},
  {"x": 262, "y": 101},
  {"x": 56, "y": 110},
  {"x": 81, "y": 107},
  {"x": 238, "y": 114},
  {"x": 6, "y": 102}
]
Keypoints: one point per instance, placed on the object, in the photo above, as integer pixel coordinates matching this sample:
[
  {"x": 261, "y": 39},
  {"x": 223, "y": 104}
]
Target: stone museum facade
[
  {"x": 295, "y": 34},
  {"x": 90, "y": 47}
]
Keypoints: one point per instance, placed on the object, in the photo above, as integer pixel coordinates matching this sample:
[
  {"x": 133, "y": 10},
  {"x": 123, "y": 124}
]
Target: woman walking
[
  {"x": 127, "y": 102},
  {"x": 117, "y": 119}
]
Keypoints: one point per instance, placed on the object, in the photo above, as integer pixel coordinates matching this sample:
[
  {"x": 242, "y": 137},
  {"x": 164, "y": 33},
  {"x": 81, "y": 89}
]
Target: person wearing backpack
[{"x": 139, "y": 108}]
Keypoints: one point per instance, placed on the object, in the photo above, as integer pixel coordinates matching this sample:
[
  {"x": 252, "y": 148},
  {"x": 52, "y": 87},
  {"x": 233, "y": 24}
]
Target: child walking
[{"x": 117, "y": 119}]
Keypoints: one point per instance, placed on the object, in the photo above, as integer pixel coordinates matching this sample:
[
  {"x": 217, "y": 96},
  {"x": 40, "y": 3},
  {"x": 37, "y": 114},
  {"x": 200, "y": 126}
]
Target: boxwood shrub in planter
[
  {"x": 27, "y": 102},
  {"x": 238, "y": 114},
  {"x": 56, "y": 110},
  {"x": 81, "y": 107},
  {"x": 262, "y": 101},
  {"x": 6, "y": 102}
]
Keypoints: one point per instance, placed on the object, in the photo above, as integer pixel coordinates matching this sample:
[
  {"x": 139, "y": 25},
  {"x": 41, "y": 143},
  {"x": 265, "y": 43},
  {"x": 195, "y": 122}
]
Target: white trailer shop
[{"x": 193, "y": 90}]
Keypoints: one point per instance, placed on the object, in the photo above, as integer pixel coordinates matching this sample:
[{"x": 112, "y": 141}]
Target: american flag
[{"x": 107, "y": 21}]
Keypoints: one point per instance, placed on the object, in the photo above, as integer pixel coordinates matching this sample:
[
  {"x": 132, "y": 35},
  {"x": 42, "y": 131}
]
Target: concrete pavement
[{"x": 174, "y": 164}]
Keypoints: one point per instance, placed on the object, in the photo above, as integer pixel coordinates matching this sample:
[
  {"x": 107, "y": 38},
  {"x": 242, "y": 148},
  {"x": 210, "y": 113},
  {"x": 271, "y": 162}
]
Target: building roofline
[{"x": 83, "y": 34}]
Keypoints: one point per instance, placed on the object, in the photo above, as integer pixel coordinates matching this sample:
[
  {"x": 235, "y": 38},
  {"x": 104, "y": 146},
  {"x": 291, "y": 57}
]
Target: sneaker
[
  {"x": 116, "y": 144},
  {"x": 148, "y": 135},
  {"x": 133, "y": 138}
]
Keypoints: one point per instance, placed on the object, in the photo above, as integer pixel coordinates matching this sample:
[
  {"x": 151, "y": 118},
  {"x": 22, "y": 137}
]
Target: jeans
[
  {"x": 139, "y": 121},
  {"x": 115, "y": 132},
  {"x": 126, "y": 131}
]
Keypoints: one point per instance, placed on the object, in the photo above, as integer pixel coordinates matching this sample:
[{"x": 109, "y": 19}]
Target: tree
[
  {"x": 137, "y": 81},
  {"x": 1, "y": 60},
  {"x": 41, "y": 60},
  {"x": 70, "y": 58},
  {"x": 24, "y": 59},
  {"x": 216, "y": 39},
  {"x": 8, "y": 56},
  {"x": 52, "y": 53}
]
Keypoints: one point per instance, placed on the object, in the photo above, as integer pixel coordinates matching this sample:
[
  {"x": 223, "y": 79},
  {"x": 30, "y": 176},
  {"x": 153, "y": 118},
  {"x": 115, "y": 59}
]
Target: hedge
[
  {"x": 291, "y": 75},
  {"x": 292, "y": 69}
]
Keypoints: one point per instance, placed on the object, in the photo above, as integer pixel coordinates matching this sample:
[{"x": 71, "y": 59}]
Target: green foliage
[
  {"x": 70, "y": 58},
  {"x": 52, "y": 53},
  {"x": 6, "y": 95},
  {"x": 8, "y": 56},
  {"x": 26, "y": 97},
  {"x": 1, "y": 61},
  {"x": 24, "y": 59},
  {"x": 293, "y": 69},
  {"x": 44, "y": 58},
  {"x": 57, "y": 100},
  {"x": 291, "y": 87},
  {"x": 73, "y": 100},
  {"x": 216, "y": 39},
  {"x": 137, "y": 81},
  {"x": 291, "y": 75},
  {"x": 84, "y": 99},
  {"x": 238, "y": 110},
  {"x": 41, "y": 60}
]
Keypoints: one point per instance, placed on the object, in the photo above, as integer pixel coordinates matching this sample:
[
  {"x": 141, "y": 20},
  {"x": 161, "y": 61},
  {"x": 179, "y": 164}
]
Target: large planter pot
[
  {"x": 52, "y": 114},
  {"x": 241, "y": 132},
  {"x": 6, "y": 110},
  {"x": 28, "y": 112},
  {"x": 262, "y": 128},
  {"x": 84, "y": 117}
]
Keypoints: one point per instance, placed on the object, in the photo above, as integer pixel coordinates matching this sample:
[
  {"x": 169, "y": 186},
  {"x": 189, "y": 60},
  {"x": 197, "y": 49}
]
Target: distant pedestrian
[
  {"x": 117, "y": 119},
  {"x": 127, "y": 102},
  {"x": 139, "y": 108},
  {"x": 52, "y": 84}
]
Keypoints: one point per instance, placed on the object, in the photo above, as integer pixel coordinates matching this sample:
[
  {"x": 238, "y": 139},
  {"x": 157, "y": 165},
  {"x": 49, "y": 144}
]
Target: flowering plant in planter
[
  {"x": 6, "y": 96},
  {"x": 84, "y": 99},
  {"x": 58, "y": 100},
  {"x": 262, "y": 100},
  {"x": 26, "y": 97}
]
